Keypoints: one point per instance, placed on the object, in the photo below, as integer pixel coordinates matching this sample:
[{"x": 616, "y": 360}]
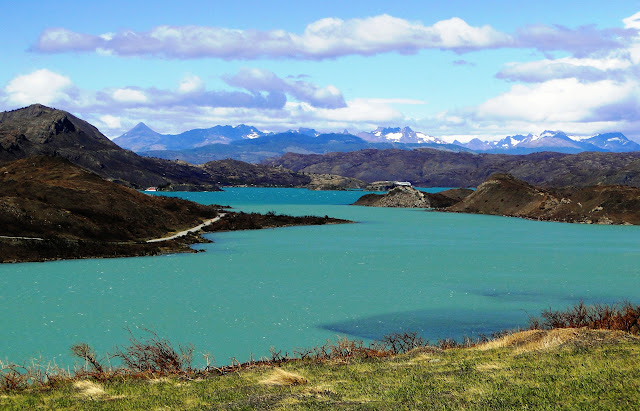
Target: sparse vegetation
[
  {"x": 582, "y": 368},
  {"x": 620, "y": 317}
]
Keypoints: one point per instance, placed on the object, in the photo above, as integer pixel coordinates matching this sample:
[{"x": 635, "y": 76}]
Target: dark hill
[
  {"x": 437, "y": 168},
  {"x": 37, "y": 130},
  {"x": 48, "y": 197},
  {"x": 234, "y": 172},
  {"x": 503, "y": 194}
]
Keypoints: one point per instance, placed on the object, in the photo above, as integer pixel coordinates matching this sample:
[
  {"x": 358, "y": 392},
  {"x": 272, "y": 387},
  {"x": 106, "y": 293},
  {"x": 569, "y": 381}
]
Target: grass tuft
[
  {"x": 284, "y": 378},
  {"x": 86, "y": 388}
]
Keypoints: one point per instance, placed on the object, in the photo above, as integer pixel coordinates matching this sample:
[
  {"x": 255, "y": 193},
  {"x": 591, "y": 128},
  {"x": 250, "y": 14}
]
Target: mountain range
[
  {"x": 556, "y": 141},
  {"x": 251, "y": 145},
  {"x": 247, "y": 143},
  {"x": 39, "y": 130}
]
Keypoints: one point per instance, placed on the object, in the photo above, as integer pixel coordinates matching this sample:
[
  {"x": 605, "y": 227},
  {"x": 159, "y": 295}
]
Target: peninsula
[
  {"x": 505, "y": 195},
  {"x": 52, "y": 209}
]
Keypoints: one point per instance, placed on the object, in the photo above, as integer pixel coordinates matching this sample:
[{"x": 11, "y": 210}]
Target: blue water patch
[{"x": 443, "y": 275}]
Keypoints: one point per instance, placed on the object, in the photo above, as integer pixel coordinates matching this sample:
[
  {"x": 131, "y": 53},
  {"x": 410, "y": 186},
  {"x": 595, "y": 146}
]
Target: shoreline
[{"x": 15, "y": 251}]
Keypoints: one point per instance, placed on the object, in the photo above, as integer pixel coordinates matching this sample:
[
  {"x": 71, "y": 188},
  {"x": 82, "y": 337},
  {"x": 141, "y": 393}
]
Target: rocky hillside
[
  {"x": 51, "y": 208},
  {"x": 37, "y": 130},
  {"x": 234, "y": 172},
  {"x": 437, "y": 168},
  {"x": 47, "y": 197},
  {"x": 503, "y": 194}
]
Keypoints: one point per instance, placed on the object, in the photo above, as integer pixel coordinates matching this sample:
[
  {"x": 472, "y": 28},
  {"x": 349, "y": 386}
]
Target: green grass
[{"x": 568, "y": 370}]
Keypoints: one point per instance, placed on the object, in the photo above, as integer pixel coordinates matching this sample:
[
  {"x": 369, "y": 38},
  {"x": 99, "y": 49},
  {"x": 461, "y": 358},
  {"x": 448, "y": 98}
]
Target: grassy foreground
[{"x": 536, "y": 369}]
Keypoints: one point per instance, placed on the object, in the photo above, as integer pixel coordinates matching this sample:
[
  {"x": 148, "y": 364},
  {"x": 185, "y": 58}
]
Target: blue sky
[{"x": 456, "y": 69}]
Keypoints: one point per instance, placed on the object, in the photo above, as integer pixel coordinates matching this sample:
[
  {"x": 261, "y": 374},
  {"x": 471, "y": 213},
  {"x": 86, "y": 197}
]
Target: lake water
[{"x": 443, "y": 275}]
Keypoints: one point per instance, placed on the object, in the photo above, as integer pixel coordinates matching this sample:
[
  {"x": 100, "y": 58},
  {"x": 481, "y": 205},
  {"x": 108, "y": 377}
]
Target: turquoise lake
[{"x": 443, "y": 275}]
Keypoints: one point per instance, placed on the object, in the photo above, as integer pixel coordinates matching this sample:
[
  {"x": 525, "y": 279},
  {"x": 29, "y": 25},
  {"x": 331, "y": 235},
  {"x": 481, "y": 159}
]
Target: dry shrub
[
  {"x": 620, "y": 317},
  {"x": 399, "y": 343},
  {"x": 284, "y": 378},
  {"x": 84, "y": 351},
  {"x": 14, "y": 377},
  {"x": 155, "y": 355}
]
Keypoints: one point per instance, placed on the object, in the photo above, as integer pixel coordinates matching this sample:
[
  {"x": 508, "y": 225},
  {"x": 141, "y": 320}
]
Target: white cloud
[
  {"x": 41, "y": 86},
  {"x": 557, "y": 100},
  {"x": 191, "y": 84},
  {"x": 583, "y": 69},
  {"x": 127, "y": 95},
  {"x": 111, "y": 121},
  {"x": 632, "y": 22},
  {"x": 325, "y": 38}
]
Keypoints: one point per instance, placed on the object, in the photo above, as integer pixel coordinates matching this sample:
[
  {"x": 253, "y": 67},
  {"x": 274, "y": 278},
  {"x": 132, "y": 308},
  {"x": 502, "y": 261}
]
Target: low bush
[{"x": 621, "y": 317}]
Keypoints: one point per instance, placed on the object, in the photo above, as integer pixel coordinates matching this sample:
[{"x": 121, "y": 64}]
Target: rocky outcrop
[
  {"x": 380, "y": 186},
  {"x": 409, "y": 197}
]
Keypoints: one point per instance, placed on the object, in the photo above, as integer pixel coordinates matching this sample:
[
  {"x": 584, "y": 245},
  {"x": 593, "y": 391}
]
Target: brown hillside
[
  {"x": 437, "y": 168},
  {"x": 503, "y": 194},
  {"x": 48, "y": 197}
]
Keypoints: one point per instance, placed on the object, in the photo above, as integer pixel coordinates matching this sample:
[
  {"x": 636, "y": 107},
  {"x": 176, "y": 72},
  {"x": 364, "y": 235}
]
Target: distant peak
[{"x": 141, "y": 125}]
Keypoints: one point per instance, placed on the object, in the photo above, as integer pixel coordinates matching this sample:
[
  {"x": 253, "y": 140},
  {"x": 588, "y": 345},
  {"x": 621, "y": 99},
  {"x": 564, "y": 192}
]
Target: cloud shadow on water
[{"x": 430, "y": 324}]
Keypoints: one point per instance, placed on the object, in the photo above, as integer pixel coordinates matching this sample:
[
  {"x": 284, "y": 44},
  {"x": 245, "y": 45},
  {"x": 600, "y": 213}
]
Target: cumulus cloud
[
  {"x": 41, "y": 86},
  {"x": 129, "y": 95},
  {"x": 257, "y": 97},
  {"x": 322, "y": 39},
  {"x": 256, "y": 80},
  {"x": 555, "y": 100},
  {"x": 331, "y": 37}
]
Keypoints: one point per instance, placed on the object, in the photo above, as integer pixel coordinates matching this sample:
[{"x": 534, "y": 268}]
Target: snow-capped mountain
[
  {"x": 399, "y": 135},
  {"x": 143, "y": 138},
  {"x": 546, "y": 141},
  {"x": 304, "y": 131},
  {"x": 615, "y": 142}
]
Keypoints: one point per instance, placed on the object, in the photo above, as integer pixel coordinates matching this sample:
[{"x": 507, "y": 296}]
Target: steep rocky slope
[{"x": 37, "y": 129}]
